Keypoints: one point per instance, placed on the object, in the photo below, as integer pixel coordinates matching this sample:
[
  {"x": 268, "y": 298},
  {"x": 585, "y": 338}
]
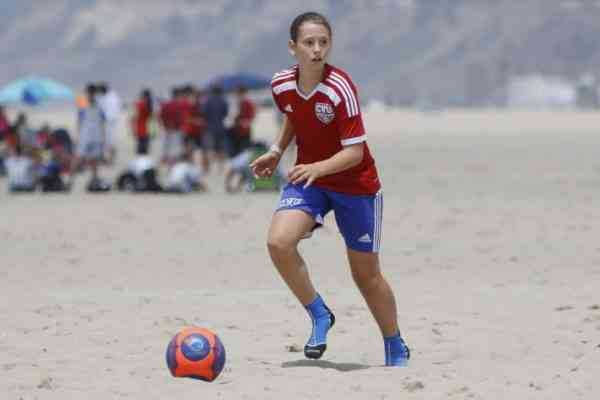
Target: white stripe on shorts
[{"x": 378, "y": 217}]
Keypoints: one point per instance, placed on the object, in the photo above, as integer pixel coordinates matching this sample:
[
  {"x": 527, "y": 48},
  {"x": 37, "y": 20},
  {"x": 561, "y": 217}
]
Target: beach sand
[{"x": 491, "y": 228}]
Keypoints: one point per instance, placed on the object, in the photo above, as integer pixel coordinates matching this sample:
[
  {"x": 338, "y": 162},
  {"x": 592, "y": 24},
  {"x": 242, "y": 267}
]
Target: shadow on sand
[{"x": 342, "y": 367}]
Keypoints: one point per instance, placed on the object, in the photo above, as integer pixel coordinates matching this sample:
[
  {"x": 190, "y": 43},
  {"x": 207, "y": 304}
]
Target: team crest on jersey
[{"x": 324, "y": 112}]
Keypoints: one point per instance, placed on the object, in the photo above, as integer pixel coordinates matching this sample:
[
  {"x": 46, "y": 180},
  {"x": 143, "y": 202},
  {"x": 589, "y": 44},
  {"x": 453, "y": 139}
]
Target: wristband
[{"x": 275, "y": 149}]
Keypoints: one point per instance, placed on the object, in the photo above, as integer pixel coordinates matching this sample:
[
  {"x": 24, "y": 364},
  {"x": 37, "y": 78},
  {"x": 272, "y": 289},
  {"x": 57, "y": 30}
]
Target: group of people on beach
[
  {"x": 190, "y": 126},
  {"x": 46, "y": 158},
  {"x": 192, "y": 133},
  {"x": 32, "y": 158},
  {"x": 194, "y": 130}
]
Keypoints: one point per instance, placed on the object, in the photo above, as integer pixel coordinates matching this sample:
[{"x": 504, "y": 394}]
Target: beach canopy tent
[
  {"x": 34, "y": 90},
  {"x": 231, "y": 82}
]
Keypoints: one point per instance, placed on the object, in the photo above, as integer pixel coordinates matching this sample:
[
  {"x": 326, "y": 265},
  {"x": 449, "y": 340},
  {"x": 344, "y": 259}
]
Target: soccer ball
[{"x": 196, "y": 353}]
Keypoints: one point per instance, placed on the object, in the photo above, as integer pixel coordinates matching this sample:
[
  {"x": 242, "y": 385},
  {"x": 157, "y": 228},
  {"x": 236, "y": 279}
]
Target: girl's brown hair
[{"x": 310, "y": 16}]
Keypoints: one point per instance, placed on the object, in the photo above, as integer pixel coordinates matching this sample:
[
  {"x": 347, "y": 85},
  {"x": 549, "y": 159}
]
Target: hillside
[{"x": 448, "y": 52}]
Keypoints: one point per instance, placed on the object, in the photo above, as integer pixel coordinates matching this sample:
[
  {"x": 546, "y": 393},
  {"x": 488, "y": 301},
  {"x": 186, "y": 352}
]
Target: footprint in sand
[
  {"x": 563, "y": 308},
  {"x": 413, "y": 386}
]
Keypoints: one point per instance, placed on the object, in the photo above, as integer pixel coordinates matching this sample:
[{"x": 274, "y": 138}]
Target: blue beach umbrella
[
  {"x": 34, "y": 90},
  {"x": 233, "y": 81}
]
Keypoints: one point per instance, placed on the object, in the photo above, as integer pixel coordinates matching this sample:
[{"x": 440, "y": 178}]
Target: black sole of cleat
[{"x": 316, "y": 352}]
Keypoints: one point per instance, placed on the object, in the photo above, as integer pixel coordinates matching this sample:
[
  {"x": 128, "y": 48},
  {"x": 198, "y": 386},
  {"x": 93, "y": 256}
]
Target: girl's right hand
[{"x": 265, "y": 165}]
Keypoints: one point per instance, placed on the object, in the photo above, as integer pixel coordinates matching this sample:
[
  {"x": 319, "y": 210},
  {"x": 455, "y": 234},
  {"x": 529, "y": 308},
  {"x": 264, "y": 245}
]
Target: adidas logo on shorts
[
  {"x": 365, "y": 238},
  {"x": 290, "y": 202}
]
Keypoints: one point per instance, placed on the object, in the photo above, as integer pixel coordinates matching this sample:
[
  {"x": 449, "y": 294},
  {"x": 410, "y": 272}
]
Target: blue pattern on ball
[
  {"x": 195, "y": 347},
  {"x": 219, "y": 360},
  {"x": 171, "y": 359}
]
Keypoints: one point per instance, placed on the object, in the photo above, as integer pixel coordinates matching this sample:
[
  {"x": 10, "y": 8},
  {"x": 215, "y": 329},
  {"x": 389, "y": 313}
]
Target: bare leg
[
  {"x": 205, "y": 161},
  {"x": 376, "y": 291},
  {"x": 233, "y": 180},
  {"x": 220, "y": 157},
  {"x": 287, "y": 228},
  {"x": 111, "y": 155},
  {"x": 76, "y": 164}
]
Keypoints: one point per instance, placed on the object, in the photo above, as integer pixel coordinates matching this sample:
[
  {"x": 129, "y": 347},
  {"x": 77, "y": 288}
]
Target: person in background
[
  {"x": 238, "y": 172},
  {"x": 92, "y": 135},
  {"x": 194, "y": 125},
  {"x": 61, "y": 146},
  {"x": 215, "y": 111},
  {"x": 171, "y": 121},
  {"x": 189, "y": 118},
  {"x": 185, "y": 176},
  {"x": 23, "y": 133},
  {"x": 242, "y": 125},
  {"x": 20, "y": 170},
  {"x": 61, "y": 137},
  {"x": 198, "y": 121},
  {"x": 52, "y": 169},
  {"x": 43, "y": 136},
  {"x": 4, "y": 124},
  {"x": 141, "y": 175},
  {"x": 81, "y": 100},
  {"x": 140, "y": 122},
  {"x": 110, "y": 103},
  {"x": 4, "y": 131},
  {"x": 11, "y": 137}
]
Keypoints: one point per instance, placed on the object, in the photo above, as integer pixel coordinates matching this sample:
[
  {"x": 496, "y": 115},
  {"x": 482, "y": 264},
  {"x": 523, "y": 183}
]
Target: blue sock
[
  {"x": 397, "y": 352},
  {"x": 321, "y": 321}
]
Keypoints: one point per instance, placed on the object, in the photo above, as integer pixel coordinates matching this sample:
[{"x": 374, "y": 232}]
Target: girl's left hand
[{"x": 305, "y": 172}]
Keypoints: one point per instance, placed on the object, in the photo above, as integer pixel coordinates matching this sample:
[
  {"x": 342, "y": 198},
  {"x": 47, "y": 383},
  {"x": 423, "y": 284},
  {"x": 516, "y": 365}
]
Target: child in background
[
  {"x": 185, "y": 176},
  {"x": 21, "y": 171},
  {"x": 92, "y": 137},
  {"x": 238, "y": 172}
]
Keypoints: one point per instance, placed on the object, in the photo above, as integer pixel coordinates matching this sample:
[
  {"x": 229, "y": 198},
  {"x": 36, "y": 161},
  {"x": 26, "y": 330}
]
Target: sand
[{"x": 490, "y": 242}]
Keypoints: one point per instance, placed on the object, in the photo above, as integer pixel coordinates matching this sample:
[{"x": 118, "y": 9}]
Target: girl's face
[{"x": 312, "y": 45}]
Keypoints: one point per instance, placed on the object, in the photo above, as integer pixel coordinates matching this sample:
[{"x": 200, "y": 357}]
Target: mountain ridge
[{"x": 402, "y": 51}]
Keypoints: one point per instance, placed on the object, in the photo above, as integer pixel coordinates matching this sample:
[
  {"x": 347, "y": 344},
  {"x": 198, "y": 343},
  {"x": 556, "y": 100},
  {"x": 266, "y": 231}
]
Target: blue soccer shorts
[{"x": 358, "y": 217}]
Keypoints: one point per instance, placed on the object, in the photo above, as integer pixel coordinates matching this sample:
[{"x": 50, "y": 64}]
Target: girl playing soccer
[{"x": 334, "y": 171}]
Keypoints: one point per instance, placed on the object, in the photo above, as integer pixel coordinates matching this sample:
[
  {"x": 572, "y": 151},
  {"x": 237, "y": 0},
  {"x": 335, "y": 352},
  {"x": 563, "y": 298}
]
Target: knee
[
  {"x": 279, "y": 245},
  {"x": 367, "y": 282}
]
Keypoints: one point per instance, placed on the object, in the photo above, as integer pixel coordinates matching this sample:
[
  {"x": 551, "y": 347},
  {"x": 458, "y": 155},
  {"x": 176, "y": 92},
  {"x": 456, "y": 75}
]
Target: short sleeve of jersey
[
  {"x": 276, "y": 98},
  {"x": 352, "y": 130},
  {"x": 347, "y": 111},
  {"x": 276, "y": 101}
]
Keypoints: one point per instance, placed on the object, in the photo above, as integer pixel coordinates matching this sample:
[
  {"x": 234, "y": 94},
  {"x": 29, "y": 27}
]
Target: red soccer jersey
[
  {"x": 325, "y": 121},
  {"x": 142, "y": 117},
  {"x": 246, "y": 114},
  {"x": 186, "y": 109},
  {"x": 170, "y": 114}
]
